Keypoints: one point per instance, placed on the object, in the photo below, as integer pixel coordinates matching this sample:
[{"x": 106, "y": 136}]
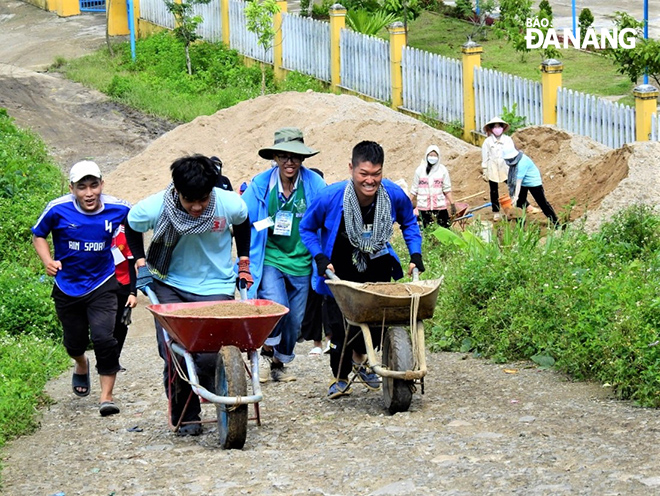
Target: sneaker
[
  {"x": 281, "y": 374},
  {"x": 533, "y": 210},
  {"x": 264, "y": 369},
  {"x": 338, "y": 388},
  {"x": 497, "y": 216},
  {"x": 368, "y": 377}
]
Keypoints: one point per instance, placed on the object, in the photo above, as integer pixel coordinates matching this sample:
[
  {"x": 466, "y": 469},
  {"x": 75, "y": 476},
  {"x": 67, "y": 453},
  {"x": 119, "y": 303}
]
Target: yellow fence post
[
  {"x": 551, "y": 70},
  {"x": 397, "y": 41},
  {"x": 117, "y": 17},
  {"x": 278, "y": 70},
  {"x": 471, "y": 58},
  {"x": 337, "y": 23},
  {"x": 66, "y": 8},
  {"x": 224, "y": 15},
  {"x": 646, "y": 104}
]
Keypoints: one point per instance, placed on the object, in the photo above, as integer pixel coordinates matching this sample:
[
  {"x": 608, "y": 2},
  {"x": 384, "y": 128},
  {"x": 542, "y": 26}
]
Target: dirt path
[
  {"x": 481, "y": 428},
  {"x": 76, "y": 122}
]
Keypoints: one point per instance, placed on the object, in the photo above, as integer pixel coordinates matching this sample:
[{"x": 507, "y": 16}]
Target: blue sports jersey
[{"x": 82, "y": 241}]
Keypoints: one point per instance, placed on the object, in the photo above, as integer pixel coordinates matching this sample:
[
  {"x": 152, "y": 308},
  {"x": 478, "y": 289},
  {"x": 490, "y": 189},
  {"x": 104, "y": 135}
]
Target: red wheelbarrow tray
[{"x": 205, "y": 334}]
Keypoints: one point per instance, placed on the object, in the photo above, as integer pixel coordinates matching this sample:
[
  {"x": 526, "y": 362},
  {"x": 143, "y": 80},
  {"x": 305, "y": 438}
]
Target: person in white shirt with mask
[{"x": 430, "y": 192}]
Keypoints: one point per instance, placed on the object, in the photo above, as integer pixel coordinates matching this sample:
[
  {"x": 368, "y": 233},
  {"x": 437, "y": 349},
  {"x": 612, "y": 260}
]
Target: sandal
[
  {"x": 316, "y": 351},
  {"x": 108, "y": 408},
  {"x": 81, "y": 381}
]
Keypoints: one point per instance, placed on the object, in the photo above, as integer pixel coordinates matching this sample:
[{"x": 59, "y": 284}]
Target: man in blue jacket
[
  {"x": 281, "y": 265},
  {"x": 355, "y": 219}
]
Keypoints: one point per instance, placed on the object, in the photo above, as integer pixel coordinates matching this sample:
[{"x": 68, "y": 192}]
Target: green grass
[
  {"x": 157, "y": 83},
  {"x": 586, "y": 304},
  {"x": 584, "y": 72},
  {"x": 30, "y": 333}
]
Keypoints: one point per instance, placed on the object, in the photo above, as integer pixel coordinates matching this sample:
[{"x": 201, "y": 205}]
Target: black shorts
[{"x": 92, "y": 315}]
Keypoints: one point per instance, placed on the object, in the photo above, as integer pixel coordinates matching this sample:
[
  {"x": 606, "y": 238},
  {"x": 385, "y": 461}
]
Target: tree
[
  {"x": 186, "y": 23},
  {"x": 259, "y": 17},
  {"x": 585, "y": 20},
  {"x": 645, "y": 56},
  {"x": 511, "y": 23}
]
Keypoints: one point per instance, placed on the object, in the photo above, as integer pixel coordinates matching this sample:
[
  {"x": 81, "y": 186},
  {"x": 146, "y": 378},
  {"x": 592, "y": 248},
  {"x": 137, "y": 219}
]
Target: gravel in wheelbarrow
[
  {"x": 370, "y": 302},
  {"x": 206, "y": 326}
]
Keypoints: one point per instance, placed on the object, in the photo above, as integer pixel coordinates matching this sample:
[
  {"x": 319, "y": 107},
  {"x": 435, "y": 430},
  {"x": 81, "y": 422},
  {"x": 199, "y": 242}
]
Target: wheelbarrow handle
[
  {"x": 485, "y": 205},
  {"x": 242, "y": 289},
  {"x": 415, "y": 274},
  {"x": 330, "y": 274}
]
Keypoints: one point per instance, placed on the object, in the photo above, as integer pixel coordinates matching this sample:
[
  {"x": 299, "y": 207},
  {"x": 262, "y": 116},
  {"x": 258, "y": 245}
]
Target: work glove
[
  {"x": 416, "y": 258},
  {"x": 126, "y": 316},
  {"x": 322, "y": 263},
  {"x": 452, "y": 209},
  {"x": 244, "y": 273},
  {"x": 144, "y": 277}
]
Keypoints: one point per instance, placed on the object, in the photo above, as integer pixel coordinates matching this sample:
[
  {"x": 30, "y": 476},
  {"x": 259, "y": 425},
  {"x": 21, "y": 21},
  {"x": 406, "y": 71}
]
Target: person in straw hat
[
  {"x": 493, "y": 167},
  {"x": 281, "y": 265}
]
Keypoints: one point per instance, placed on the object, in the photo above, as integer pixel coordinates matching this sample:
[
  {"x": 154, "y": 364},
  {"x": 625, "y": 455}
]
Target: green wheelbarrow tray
[{"x": 371, "y": 303}]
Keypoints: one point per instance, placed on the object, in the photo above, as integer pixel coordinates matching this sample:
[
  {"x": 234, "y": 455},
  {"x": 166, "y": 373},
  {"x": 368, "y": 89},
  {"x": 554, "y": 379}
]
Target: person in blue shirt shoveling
[
  {"x": 347, "y": 230},
  {"x": 524, "y": 176}
]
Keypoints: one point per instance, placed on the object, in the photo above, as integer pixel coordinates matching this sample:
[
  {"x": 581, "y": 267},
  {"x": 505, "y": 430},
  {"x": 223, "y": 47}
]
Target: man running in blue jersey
[
  {"x": 82, "y": 225},
  {"x": 190, "y": 258}
]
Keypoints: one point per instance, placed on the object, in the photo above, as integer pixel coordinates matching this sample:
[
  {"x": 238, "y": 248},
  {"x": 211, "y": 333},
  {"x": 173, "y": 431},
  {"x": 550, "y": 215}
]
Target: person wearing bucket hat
[
  {"x": 524, "y": 177},
  {"x": 494, "y": 169},
  {"x": 281, "y": 265},
  {"x": 431, "y": 190}
]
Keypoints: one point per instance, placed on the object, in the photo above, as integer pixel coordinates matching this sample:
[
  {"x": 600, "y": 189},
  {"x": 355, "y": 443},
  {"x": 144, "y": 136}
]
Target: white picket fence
[
  {"x": 494, "y": 90},
  {"x": 156, "y": 12},
  {"x": 240, "y": 38},
  {"x": 210, "y": 28},
  {"x": 607, "y": 122},
  {"x": 306, "y": 46},
  {"x": 365, "y": 65},
  {"x": 432, "y": 85}
]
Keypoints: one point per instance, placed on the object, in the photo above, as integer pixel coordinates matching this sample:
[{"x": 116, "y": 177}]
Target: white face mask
[
  {"x": 497, "y": 131},
  {"x": 432, "y": 160}
]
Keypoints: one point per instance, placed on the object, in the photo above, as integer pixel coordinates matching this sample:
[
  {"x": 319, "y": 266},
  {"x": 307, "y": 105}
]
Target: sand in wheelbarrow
[
  {"x": 230, "y": 309},
  {"x": 394, "y": 289}
]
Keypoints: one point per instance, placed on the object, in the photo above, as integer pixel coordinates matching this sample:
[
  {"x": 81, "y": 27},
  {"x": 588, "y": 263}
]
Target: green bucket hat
[{"x": 288, "y": 139}]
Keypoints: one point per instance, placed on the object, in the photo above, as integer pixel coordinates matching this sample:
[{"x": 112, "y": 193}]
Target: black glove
[
  {"x": 416, "y": 258},
  {"x": 322, "y": 263},
  {"x": 144, "y": 277},
  {"x": 126, "y": 316}
]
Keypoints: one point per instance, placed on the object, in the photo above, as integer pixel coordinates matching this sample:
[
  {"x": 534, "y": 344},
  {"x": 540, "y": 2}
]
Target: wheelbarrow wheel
[
  {"x": 230, "y": 381},
  {"x": 397, "y": 355}
]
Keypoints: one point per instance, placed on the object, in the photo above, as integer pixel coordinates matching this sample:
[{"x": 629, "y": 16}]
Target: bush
[
  {"x": 25, "y": 303},
  {"x": 26, "y": 364},
  {"x": 587, "y": 303}
]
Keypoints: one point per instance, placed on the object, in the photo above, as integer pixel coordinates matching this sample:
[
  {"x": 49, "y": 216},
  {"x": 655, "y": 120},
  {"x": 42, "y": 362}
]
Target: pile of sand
[
  {"x": 332, "y": 124},
  {"x": 575, "y": 169}
]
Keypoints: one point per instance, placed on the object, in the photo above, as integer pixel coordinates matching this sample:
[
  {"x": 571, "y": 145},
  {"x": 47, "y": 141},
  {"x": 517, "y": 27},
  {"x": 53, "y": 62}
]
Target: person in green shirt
[{"x": 281, "y": 264}]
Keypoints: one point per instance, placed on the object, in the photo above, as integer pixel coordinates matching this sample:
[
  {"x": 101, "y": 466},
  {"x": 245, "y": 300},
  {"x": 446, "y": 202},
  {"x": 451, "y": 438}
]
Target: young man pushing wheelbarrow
[{"x": 355, "y": 220}]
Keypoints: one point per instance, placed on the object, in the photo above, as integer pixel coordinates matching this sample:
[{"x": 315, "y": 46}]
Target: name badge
[
  {"x": 283, "y": 223},
  {"x": 262, "y": 224}
]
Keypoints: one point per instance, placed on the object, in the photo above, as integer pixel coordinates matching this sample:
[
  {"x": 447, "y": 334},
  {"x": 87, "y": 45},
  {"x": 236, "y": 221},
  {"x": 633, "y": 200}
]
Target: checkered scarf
[
  {"x": 382, "y": 227},
  {"x": 173, "y": 223}
]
